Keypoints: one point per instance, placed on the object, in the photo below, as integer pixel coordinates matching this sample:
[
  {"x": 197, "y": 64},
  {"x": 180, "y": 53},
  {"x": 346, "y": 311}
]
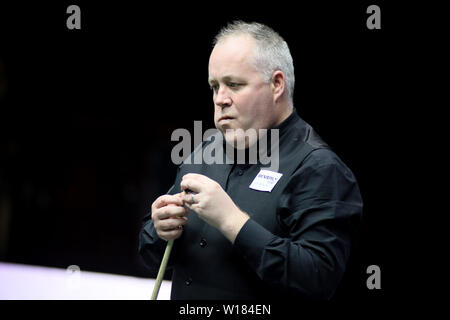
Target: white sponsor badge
[{"x": 265, "y": 180}]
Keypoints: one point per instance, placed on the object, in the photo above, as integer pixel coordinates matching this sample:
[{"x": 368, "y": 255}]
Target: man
[{"x": 240, "y": 242}]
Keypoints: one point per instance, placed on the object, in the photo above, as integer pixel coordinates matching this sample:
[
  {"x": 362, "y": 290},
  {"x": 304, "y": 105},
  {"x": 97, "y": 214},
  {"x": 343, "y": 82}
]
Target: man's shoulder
[
  {"x": 318, "y": 152},
  {"x": 323, "y": 158}
]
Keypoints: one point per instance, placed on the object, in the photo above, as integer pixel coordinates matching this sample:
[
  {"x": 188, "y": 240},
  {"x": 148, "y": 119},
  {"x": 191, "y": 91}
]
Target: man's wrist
[{"x": 234, "y": 224}]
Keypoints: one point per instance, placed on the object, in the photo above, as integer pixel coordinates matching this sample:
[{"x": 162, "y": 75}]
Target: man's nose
[{"x": 222, "y": 98}]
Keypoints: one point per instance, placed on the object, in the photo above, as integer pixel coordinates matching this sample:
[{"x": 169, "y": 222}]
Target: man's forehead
[
  {"x": 231, "y": 57},
  {"x": 237, "y": 47}
]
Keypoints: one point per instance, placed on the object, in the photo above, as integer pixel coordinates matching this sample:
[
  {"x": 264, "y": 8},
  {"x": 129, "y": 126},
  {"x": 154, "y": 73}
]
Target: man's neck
[{"x": 286, "y": 111}]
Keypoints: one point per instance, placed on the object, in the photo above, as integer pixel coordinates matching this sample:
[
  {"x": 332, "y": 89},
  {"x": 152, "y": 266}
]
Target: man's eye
[
  {"x": 214, "y": 87},
  {"x": 233, "y": 85}
]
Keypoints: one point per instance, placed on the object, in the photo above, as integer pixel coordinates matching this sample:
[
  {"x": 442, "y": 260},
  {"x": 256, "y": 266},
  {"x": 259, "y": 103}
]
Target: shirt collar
[{"x": 293, "y": 117}]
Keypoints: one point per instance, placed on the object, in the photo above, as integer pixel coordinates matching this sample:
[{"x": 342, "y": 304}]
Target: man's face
[{"x": 242, "y": 100}]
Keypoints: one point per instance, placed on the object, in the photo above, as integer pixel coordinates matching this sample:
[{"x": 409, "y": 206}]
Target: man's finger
[
  {"x": 190, "y": 184},
  {"x": 189, "y": 198},
  {"x": 172, "y": 212},
  {"x": 172, "y": 234},
  {"x": 172, "y": 224},
  {"x": 166, "y": 199}
]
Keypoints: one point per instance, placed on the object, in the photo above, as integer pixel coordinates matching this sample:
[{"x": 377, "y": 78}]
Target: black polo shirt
[{"x": 297, "y": 240}]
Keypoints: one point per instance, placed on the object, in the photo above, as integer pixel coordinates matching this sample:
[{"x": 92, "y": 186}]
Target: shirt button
[
  {"x": 203, "y": 243},
  {"x": 188, "y": 281},
  {"x": 240, "y": 172}
]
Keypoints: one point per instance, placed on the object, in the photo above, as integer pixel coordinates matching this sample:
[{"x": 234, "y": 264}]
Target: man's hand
[
  {"x": 212, "y": 204},
  {"x": 169, "y": 216}
]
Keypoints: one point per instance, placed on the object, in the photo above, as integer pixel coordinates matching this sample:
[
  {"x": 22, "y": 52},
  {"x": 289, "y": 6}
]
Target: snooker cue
[
  {"x": 162, "y": 267},
  {"x": 162, "y": 270}
]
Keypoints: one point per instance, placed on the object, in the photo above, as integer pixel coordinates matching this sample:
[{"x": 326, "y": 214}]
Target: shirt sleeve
[
  {"x": 318, "y": 211},
  {"x": 151, "y": 247}
]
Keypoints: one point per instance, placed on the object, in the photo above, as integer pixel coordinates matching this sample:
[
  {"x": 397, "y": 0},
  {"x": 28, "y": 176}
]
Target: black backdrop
[{"x": 86, "y": 119}]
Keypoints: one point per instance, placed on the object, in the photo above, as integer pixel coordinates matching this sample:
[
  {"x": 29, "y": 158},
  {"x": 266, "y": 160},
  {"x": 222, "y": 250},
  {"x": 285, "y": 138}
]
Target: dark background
[{"x": 86, "y": 118}]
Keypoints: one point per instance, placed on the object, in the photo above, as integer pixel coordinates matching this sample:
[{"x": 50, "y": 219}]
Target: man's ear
[{"x": 278, "y": 84}]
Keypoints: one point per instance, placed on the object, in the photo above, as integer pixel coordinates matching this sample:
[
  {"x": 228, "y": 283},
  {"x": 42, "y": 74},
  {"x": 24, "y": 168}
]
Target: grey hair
[{"x": 271, "y": 52}]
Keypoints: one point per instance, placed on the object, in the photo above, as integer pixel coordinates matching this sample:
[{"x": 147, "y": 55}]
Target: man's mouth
[{"x": 224, "y": 118}]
